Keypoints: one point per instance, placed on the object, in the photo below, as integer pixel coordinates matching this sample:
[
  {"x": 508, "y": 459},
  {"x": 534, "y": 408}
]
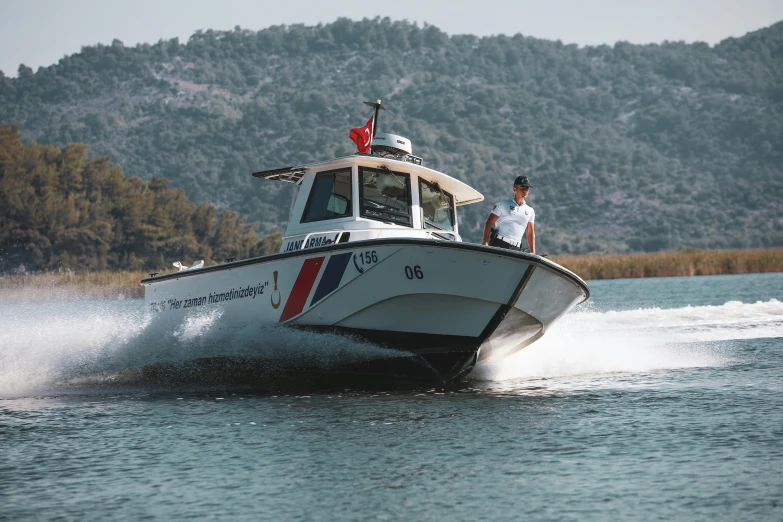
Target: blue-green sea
[{"x": 660, "y": 399}]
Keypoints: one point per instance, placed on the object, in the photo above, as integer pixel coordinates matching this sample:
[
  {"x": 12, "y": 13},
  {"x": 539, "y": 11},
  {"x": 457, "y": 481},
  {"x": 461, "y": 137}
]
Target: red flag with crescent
[{"x": 362, "y": 136}]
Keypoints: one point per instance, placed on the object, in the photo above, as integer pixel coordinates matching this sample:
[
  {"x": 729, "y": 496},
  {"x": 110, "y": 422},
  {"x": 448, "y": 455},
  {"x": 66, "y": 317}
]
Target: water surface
[{"x": 659, "y": 400}]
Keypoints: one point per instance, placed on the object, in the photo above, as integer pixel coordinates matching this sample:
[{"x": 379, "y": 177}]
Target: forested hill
[
  {"x": 61, "y": 210},
  {"x": 629, "y": 147}
]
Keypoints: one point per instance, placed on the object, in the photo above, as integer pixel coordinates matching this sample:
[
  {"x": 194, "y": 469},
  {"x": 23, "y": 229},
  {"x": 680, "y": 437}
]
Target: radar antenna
[{"x": 389, "y": 145}]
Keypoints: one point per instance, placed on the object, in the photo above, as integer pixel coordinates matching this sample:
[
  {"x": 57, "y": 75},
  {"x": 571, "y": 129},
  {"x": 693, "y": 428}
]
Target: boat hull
[{"x": 452, "y": 304}]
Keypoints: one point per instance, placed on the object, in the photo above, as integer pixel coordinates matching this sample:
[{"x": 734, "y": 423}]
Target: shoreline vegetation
[
  {"x": 672, "y": 264},
  {"x": 125, "y": 284},
  {"x": 61, "y": 208},
  {"x": 72, "y": 285}
]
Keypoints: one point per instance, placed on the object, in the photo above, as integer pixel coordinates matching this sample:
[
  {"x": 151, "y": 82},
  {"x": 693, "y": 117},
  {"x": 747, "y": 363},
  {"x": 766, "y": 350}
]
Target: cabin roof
[{"x": 463, "y": 194}]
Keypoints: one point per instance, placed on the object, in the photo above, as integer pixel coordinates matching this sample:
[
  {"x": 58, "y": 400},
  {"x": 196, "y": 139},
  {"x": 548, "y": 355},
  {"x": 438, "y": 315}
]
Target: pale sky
[{"x": 40, "y": 32}]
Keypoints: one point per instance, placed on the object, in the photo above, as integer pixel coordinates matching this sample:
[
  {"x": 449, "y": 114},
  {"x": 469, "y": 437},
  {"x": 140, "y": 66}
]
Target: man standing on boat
[{"x": 512, "y": 219}]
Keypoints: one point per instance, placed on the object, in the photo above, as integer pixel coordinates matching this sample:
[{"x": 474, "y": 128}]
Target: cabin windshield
[
  {"x": 437, "y": 207},
  {"x": 385, "y": 196}
]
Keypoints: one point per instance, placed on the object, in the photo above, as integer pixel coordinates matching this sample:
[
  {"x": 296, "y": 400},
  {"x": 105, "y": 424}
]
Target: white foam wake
[
  {"x": 588, "y": 342},
  {"x": 43, "y": 343},
  {"x": 46, "y": 342},
  {"x": 732, "y": 320},
  {"x": 38, "y": 340}
]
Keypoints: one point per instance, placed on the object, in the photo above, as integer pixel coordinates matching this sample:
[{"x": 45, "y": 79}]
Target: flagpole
[
  {"x": 375, "y": 118},
  {"x": 378, "y": 107}
]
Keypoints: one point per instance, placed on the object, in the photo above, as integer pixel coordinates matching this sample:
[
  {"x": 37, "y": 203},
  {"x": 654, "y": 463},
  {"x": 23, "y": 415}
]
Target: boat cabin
[{"x": 371, "y": 196}]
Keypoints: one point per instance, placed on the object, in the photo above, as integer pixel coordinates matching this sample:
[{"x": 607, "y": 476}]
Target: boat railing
[{"x": 429, "y": 234}]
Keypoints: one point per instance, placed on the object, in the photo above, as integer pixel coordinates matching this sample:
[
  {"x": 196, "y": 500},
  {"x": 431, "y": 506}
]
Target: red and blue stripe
[{"x": 330, "y": 281}]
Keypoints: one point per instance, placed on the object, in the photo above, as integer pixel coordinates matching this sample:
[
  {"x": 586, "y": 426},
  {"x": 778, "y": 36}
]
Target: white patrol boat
[{"x": 372, "y": 250}]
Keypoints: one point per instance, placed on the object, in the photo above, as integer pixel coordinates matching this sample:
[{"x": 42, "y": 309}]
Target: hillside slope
[
  {"x": 60, "y": 210},
  {"x": 629, "y": 147}
]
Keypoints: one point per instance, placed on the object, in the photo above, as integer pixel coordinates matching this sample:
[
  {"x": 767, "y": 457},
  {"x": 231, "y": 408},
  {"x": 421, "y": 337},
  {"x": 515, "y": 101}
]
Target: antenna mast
[{"x": 378, "y": 107}]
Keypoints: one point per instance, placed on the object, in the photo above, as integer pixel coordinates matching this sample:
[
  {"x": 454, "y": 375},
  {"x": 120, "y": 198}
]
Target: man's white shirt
[{"x": 513, "y": 219}]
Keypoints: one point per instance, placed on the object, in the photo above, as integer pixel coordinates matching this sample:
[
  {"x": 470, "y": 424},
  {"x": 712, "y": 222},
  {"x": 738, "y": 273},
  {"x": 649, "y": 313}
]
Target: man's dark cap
[{"x": 522, "y": 181}]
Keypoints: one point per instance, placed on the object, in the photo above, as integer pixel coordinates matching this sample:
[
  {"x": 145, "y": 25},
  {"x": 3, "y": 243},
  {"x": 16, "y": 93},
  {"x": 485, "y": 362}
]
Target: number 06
[{"x": 416, "y": 272}]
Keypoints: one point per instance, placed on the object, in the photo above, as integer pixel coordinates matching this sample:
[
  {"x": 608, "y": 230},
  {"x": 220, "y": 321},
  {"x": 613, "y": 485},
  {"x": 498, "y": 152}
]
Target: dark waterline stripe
[{"x": 502, "y": 310}]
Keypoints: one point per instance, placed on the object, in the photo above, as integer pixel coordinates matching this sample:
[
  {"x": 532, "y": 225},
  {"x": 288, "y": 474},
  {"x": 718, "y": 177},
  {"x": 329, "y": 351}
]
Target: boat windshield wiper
[
  {"x": 433, "y": 225},
  {"x": 394, "y": 213},
  {"x": 377, "y": 209}
]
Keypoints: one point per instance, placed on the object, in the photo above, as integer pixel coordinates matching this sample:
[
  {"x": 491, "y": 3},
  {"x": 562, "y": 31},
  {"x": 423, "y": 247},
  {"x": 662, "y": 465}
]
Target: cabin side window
[
  {"x": 330, "y": 196},
  {"x": 385, "y": 196},
  {"x": 437, "y": 206}
]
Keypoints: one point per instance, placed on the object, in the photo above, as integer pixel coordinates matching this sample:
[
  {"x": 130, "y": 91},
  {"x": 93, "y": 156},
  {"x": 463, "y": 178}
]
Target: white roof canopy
[{"x": 463, "y": 193}]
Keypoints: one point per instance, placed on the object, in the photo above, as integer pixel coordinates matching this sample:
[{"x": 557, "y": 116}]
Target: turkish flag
[{"x": 362, "y": 136}]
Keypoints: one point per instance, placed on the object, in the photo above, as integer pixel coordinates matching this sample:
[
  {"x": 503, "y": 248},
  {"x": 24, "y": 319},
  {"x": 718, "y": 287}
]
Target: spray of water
[
  {"x": 645, "y": 339},
  {"x": 41, "y": 341},
  {"x": 47, "y": 342}
]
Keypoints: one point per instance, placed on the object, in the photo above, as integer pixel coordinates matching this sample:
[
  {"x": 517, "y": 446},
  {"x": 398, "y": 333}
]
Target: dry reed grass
[
  {"x": 85, "y": 285},
  {"x": 682, "y": 263}
]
